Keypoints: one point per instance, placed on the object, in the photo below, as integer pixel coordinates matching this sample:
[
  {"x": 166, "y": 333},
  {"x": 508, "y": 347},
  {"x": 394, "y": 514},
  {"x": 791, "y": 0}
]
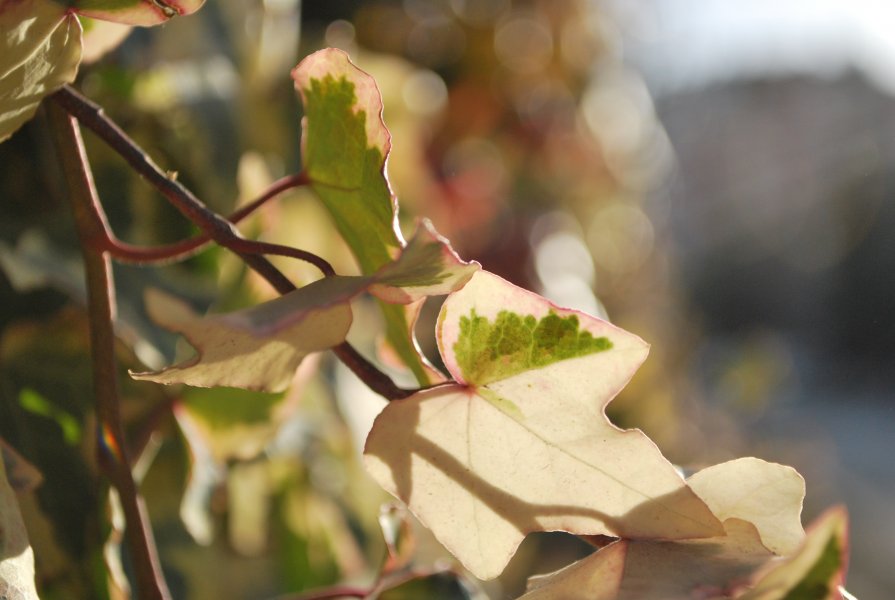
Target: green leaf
[
  {"x": 16, "y": 555},
  {"x": 136, "y": 12},
  {"x": 40, "y": 48},
  {"x": 344, "y": 146},
  {"x": 35, "y": 403},
  {"x": 464, "y": 456},
  {"x": 512, "y": 344}
]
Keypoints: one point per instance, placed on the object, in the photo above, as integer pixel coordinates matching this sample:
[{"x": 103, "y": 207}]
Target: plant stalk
[
  {"x": 112, "y": 451},
  {"x": 213, "y": 225}
]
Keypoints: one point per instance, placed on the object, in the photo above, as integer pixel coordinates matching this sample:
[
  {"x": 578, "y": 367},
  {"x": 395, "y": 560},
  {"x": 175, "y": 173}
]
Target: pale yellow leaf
[
  {"x": 766, "y": 494},
  {"x": 40, "y": 48},
  {"x": 522, "y": 444},
  {"x": 258, "y": 348},
  {"x": 680, "y": 570},
  {"x": 597, "y": 577}
]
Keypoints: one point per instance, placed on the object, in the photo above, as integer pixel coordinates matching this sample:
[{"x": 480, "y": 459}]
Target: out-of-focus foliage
[{"x": 521, "y": 135}]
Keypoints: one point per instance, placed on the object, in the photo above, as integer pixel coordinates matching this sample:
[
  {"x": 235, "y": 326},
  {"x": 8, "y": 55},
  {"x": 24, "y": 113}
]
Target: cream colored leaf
[
  {"x": 40, "y": 48},
  {"x": 522, "y": 444},
  {"x": 816, "y": 571},
  {"x": 766, "y": 494},
  {"x": 101, "y": 37},
  {"x": 682, "y": 570},
  {"x": 596, "y": 577},
  {"x": 16, "y": 555},
  {"x": 426, "y": 266},
  {"x": 258, "y": 348}
]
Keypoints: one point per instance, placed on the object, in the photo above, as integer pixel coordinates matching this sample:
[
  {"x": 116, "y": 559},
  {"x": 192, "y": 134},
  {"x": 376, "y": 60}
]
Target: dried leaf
[{"x": 521, "y": 444}]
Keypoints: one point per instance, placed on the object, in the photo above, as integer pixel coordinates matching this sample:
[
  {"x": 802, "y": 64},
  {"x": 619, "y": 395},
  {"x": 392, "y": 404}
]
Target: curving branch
[
  {"x": 213, "y": 225},
  {"x": 112, "y": 453}
]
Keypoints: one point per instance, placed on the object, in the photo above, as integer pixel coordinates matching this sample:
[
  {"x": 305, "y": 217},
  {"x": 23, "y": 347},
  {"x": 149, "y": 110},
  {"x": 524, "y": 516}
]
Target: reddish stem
[
  {"x": 112, "y": 451},
  {"x": 341, "y": 591},
  {"x": 178, "y": 251},
  {"x": 213, "y": 225}
]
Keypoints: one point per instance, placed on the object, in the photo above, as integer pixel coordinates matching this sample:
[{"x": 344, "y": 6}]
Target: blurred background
[{"x": 716, "y": 177}]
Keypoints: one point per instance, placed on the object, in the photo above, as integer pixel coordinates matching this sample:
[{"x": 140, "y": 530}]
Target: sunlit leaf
[
  {"x": 630, "y": 570},
  {"x": 427, "y": 266},
  {"x": 767, "y": 495},
  {"x": 521, "y": 444},
  {"x": 136, "y": 12},
  {"x": 816, "y": 571},
  {"x": 258, "y": 348},
  {"x": 101, "y": 37},
  {"x": 344, "y": 145},
  {"x": 758, "y": 501},
  {"x": 16, "y": 555},
  {"x": 40, "y": 48}
]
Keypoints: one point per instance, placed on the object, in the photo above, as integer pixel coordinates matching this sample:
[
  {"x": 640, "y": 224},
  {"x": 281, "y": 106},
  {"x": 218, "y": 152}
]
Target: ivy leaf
[
  {"x": 40, "y": 48},
  {"x": 258, "y": 348},
  {"x": 521, "y": 443},
  {"x": 816, "y": 571},
  {"x": 765, "y": 494},
  {"x": 344, "y": 147},
  {"x": 16, "y": 555},
  {"x": 760, "y": 504},
  {"x": 426, "y": 266},
  {"x": 136, "y": 12},
  {"x": 627, "y": 570},
  {"x": 41, "y": 45}
]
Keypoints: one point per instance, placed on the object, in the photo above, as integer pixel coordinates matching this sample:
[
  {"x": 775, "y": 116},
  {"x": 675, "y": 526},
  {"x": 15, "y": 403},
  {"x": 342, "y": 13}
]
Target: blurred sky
[{"x": 680, "y": 44}]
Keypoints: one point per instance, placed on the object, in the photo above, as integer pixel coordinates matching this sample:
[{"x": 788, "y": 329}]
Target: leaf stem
[
  {"x": 330, "y": 593},
  {"x": 169, "y": 253},
  {"x": 112, "y": 451},
  {"x": 213, "y": 225}
]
